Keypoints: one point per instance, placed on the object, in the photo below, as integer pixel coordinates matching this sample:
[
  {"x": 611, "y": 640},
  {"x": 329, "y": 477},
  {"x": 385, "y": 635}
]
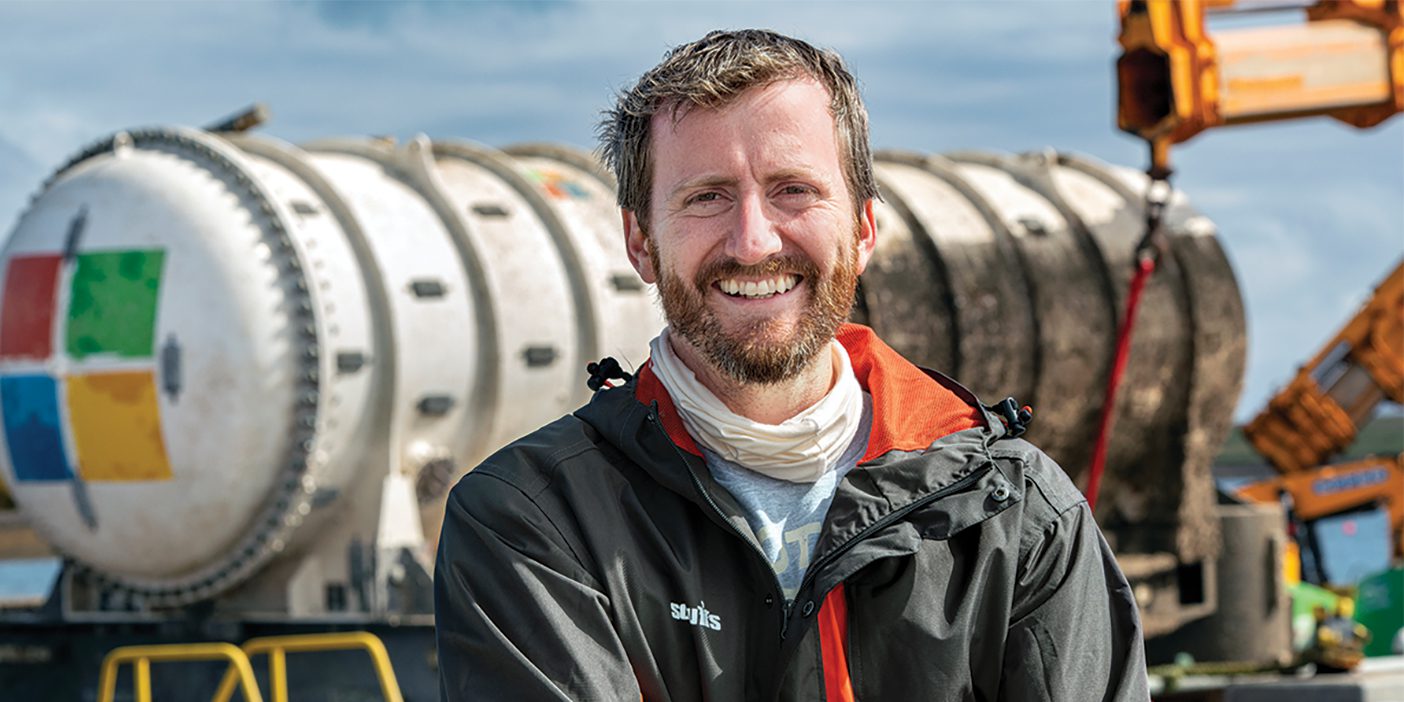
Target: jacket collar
[
  {"x": 911, "y": 408},
  {"x": 918, "y": 416}
]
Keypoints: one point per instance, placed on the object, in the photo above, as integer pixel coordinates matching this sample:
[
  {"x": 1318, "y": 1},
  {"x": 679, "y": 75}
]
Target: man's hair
[{"x": 712, "y": 72}]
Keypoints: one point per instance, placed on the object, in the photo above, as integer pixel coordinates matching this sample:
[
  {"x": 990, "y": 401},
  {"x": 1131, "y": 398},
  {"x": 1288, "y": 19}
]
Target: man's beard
[{"x": 760, "y": 352}]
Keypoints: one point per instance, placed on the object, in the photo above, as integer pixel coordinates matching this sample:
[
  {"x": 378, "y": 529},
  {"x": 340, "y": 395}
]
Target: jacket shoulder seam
[
  {"x": 546, "y": 468},
  {"x": 1026, "y": 458},
  {"x": 531, "y": 498}
]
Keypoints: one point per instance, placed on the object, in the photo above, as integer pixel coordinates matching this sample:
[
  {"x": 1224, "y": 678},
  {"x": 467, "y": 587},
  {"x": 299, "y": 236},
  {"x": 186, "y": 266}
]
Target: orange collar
[{"x": 911, "y": 410}]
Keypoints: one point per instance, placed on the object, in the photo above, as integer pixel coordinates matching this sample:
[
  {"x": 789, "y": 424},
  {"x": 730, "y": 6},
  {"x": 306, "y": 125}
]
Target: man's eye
[
  {"x": 796, "y": 190},
  {"x": 704, "y": 198}
]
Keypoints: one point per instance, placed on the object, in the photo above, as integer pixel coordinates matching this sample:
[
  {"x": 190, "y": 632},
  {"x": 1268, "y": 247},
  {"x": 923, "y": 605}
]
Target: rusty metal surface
[{"x": 1010, "y": 273}]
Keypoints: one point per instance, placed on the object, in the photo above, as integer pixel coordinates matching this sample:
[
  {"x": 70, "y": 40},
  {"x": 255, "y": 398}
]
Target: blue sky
[{"x": 1311, "y": 213}]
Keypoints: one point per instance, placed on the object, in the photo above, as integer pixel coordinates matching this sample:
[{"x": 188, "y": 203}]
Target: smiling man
[{"x": 777, "y": 506}]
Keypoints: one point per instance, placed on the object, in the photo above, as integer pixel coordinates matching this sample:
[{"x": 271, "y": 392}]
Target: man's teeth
[{"x": 764, "y": 288}]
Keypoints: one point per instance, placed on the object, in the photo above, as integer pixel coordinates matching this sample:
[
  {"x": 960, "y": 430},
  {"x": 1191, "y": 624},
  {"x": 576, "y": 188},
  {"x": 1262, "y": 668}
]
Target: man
[{"x": 778, "y": 506}]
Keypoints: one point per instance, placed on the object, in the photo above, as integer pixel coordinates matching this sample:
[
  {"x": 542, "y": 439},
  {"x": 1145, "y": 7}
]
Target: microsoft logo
[{"x": 78, "y": 368}]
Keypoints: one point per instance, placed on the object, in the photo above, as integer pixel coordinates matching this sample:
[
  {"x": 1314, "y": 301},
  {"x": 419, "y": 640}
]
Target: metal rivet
[
  {"x": 1001, "y": 493},
  {"x": 808, "y": 608},
  {"x": 769, "y": 601}
]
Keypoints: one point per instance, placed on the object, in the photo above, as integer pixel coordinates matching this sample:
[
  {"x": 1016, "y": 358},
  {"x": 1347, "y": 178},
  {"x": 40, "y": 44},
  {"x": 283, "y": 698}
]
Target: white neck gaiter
[{"x": 799, "y": 450}]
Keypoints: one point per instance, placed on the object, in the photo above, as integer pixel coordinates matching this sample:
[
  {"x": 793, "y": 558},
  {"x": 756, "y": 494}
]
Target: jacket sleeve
[
  {"x": 517, "y": 617},
  {"x": 1074, "y": 631}
]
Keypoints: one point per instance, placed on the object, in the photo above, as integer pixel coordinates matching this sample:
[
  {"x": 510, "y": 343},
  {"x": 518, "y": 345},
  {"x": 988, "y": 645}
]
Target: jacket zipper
[
  {"x": 891, "y": 518},
  {"x": 815, "y": 567},
  {"x": 786, "y": 605}
]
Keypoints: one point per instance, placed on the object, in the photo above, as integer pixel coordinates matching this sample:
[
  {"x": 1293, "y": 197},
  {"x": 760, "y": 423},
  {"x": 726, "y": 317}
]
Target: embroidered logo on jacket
[{"x": 696, "y": 616}]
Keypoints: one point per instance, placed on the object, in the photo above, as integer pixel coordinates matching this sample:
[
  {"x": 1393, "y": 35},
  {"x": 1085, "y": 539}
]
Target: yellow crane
[
  {"x": 1318, "y": 414},
  {"x": 1176, "y": 79}
]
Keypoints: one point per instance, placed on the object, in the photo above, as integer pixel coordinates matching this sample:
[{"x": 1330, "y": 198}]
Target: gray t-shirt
[{"x": 786, "y": 517}]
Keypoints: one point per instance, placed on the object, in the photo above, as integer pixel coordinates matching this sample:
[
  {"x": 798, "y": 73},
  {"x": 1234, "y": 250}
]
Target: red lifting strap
[{"x": 1144, "y": 267}]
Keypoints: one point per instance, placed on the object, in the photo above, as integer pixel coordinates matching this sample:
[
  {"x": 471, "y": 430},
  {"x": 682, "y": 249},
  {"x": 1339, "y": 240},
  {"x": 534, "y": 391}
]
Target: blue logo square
[{"x": 32, "y": 427}]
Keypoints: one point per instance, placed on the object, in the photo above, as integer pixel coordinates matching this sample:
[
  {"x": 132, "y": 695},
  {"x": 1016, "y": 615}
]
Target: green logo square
[{"x": 113, "y": 304}]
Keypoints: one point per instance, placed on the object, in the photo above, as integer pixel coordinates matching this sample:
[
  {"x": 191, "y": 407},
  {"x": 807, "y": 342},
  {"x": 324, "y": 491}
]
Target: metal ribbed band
[
  {"x": 1077, "y": 305},
  {"x": 587, "y": 326},
  {"x": 909, "y": 297},
  {"x": 412, "y": 168},
  {"x": 997, "y": 346},
  {"x": 566, "y": 155}
]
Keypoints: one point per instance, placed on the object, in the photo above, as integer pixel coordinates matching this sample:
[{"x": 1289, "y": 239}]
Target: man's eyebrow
[
  {"x": 709, "y": 181},
  {"x": 706, "y": 181},
  {"x": 792, "y": 173}
]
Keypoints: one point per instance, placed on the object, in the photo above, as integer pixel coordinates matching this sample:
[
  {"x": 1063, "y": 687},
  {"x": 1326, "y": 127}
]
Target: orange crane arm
[
  {"x": 1318, "y": 414},
  {"x": 1176, "y": 79}
]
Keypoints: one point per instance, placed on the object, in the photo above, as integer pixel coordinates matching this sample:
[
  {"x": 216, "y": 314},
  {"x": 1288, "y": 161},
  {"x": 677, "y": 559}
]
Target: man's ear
[
  {"x": 636, "y": 245},
  {"x": 867, "y": 235}
]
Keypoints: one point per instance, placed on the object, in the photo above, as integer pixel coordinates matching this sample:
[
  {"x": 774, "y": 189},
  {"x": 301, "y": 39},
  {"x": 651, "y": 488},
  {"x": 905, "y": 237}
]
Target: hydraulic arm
[
  {"x": 1177, "y": 79},
  {"x": 1319, "y": 413}
]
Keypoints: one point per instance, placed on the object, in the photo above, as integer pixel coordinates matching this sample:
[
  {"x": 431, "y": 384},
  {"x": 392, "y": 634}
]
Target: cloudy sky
[{"x": 1311, "y": 213}]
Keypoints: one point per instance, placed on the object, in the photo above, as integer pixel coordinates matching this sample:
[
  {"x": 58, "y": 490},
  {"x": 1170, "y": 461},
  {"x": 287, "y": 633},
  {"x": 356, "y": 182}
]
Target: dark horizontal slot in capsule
[
  {"x": 428, "y": 288},
  {"x": 626, "y": 282},
  {"x": 537, "y": 356},
  {"x": 488, "y": 209},
  {"x": 435, "y": 405}
]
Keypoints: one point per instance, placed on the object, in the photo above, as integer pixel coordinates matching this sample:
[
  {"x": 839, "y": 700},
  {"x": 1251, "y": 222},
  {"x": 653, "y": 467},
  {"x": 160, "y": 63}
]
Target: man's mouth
[{"x": 758, "y": 289}]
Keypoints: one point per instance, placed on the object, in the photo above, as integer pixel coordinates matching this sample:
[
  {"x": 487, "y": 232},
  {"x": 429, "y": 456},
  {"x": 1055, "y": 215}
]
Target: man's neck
[{"x": 765, "y": 403}]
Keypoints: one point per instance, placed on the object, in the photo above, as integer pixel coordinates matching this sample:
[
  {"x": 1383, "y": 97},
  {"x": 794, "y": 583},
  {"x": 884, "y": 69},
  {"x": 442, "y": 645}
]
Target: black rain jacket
[{"x": 596, "y": 560}]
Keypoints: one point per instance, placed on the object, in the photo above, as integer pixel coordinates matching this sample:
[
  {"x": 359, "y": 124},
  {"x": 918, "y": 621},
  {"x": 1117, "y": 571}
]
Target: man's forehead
[
  {"x": 671, "y": 114},
  {"x": 788, "y": 113}
]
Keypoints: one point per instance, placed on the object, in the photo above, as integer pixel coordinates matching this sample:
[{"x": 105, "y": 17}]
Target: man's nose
[{"x": 754, "y": 237}]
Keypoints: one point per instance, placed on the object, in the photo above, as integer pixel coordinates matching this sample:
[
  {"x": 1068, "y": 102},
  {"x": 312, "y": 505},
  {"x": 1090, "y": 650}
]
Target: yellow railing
[
  {"x": 240, "y": 671},
  {"x": 277, "y": 648},
  {"x": 141, "y": 657}
]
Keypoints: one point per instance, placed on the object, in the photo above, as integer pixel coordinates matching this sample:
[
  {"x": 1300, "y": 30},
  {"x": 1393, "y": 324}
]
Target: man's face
[{"x": 753, "y": 239}]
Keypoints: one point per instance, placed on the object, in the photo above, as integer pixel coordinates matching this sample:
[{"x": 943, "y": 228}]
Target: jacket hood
[
  {"x": 930, "y": 439},
  {"x": 915, "y": 412}
]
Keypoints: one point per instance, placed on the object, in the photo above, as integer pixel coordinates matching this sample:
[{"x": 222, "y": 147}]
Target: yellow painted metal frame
[
  {"x": 277, "y": 648},
  {"x": 140, "y": 657},
  {"x": 1303, "y": 425},
  {"x": 1168, "y": 72}
]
